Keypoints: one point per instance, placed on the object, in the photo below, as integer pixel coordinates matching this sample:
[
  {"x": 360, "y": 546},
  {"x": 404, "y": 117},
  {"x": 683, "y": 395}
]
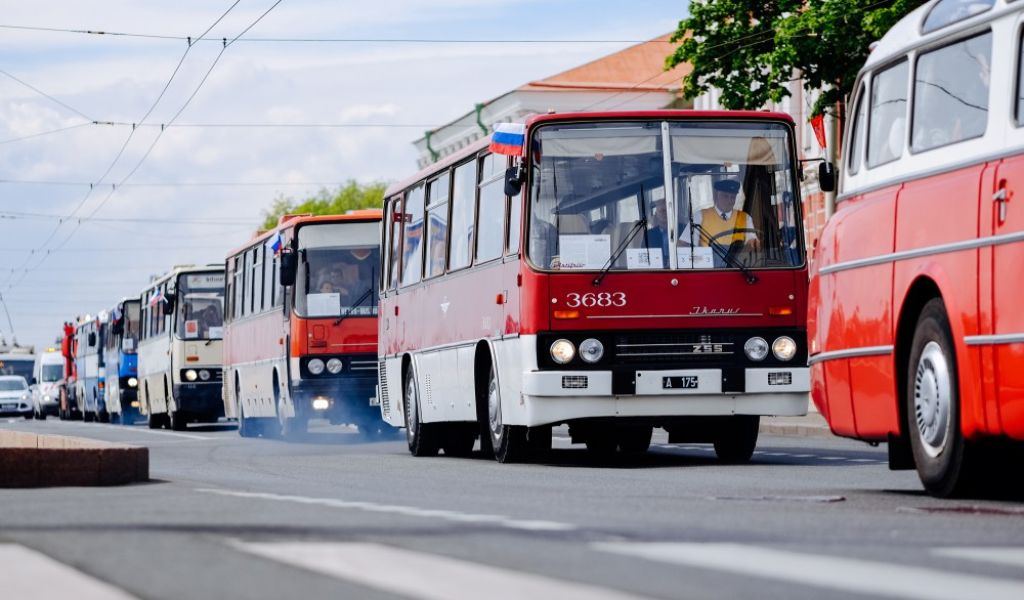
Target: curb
[
  {"x": 34, "y": 460},
  {"x": 813, "y": 426}
]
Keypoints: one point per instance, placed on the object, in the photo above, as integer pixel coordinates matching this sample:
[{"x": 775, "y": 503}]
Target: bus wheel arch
[
  {"x": 424, "y": 439},
  {"x": 508, "y": 443}
]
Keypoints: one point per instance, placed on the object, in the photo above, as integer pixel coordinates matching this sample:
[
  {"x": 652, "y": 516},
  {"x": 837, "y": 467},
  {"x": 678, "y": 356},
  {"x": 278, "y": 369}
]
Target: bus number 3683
[{"x": 589, "y": 299}]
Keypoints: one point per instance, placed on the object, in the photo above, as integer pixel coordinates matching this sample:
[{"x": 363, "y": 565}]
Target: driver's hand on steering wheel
[{"x": 753, "y": 245}]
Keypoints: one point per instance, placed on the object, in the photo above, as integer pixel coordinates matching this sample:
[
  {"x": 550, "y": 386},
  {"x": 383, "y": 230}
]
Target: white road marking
[
  {"x": 409, "y": 511},
  {"x": 864, "y": 460},
  {"x": 420, "y": 575},
  {"x": 833, "y": 458},
  {"x": 25, "y": 573},
  {"x": 803, "y": 456},
  {"x": 132, "y": 429},
  {"x": 845, "y": 574},
  {"x": 1004, "y": 556}
]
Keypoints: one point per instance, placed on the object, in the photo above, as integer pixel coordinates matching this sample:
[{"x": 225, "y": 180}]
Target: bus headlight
[
  {"x": 756, "y": 349},
  {"x": 562, "y": 351},
  {"x": 315, "y": 366},
  {"x": 204, "y": 375},
  {"x": 191, "y": 375},
  {"x": 334, "y": 366},
  {"x": 591, "y": 350},
  {"x": 784, "y": 348},
  {"x": 133, "y": 382}
]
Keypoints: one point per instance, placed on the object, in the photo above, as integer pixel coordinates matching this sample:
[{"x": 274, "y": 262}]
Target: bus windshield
[
  {"x": 51, "y": 373},
  {"x": 200, "y": 306},
  {"x": 599, "y": 197},
  {"x": 338, "y": 270},
  {"x": 130, "y": 335}
]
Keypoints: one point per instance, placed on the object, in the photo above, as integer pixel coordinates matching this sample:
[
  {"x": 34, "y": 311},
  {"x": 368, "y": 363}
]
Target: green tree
[
  {"x": 350, "y": 196},
  {"x": 751, "y": 49}
]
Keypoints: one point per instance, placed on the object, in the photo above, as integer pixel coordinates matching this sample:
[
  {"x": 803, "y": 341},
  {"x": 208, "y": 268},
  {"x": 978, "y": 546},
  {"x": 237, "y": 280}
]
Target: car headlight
[
  {"x": 133, "y": 382},
  {"x": 47, "y": 398},
  {"x": 784, "y": 348},
  {"x": 334, "y": 366},
  {"x": 315, "y": 366},
  {"x": 204, "y": 375},
  {"x": 191, "y": 375},
  {"x": 591, "y": 350},
  {"x": 756, "y": 348},
  {"x": 562, "y": 351}
]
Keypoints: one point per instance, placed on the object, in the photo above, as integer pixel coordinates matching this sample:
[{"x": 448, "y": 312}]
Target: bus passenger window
[
  {"x": 947, "y": 12},
  {"x": 515, "y": 216},
  {"x": 1020, "y": 81},
  {"x": 412, "y": 250},
  {"x": 463, "y": 212},
  {"x": 888, "y": 126},
  {"x": 951, "y": 93},
  {"x": 857, "y": 140},
  {"x": 491, "y": 217},
  {"x": 437, "y": 225},
  {"x": 394, "y": 224}
]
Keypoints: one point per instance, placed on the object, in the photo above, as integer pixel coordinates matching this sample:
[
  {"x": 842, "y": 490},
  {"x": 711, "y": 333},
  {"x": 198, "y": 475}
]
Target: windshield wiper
[
  {"x": 358, "y": 301},
  {"x": 641, "y": 224},
  {"x": 723, "y": 252}
]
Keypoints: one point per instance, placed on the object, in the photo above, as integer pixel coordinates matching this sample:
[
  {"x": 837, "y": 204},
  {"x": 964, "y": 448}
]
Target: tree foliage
[
  {"x": 350, "y": 196},
  {"x": 751, "y": 49}
]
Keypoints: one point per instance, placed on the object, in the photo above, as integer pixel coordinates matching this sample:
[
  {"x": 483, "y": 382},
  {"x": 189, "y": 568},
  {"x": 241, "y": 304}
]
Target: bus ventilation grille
[
  {"x": 385, "y": 403},
  {"x": 574, "y": 382}
]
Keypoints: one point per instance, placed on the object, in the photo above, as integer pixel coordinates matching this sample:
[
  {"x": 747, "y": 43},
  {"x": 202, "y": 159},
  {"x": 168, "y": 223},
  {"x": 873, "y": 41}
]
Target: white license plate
[{"x": 683, "y": 382}]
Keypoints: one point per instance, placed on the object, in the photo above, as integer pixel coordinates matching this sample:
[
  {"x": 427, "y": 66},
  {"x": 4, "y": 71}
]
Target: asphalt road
[{"x": 335, "y": 517}]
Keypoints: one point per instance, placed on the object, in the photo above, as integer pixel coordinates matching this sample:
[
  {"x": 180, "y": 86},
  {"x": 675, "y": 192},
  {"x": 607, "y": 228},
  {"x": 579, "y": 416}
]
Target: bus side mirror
[
  {"x": 169, "y": 304},
  {"x": 827, "y": 176},
  {"x": 92, "y": 340},
  {"x": 513, "y": 181},
  {"x": 117, "y": 327},
  {"x": 288, "y": 268}
]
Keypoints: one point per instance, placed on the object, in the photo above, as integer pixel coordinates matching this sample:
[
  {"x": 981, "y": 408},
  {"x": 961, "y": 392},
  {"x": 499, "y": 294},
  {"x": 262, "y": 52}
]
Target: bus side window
[
  {"x": 515, "y": 215},
  {"x": 491, "y": 209},
  {"x": 268, "y": 278},
  {"x": 857, "y": 132},
  {"x": 239, "y": 287},
  {"x": 951, "y": 87},
  {"x": 437, "y": 225},
  {"x": 412, "y": 236},
  {"x": 394, "y": 225},
  {"x": 1020, "y": 81},
  {"x": 463, "y": 213},
  {"x": 888, "y": 117}
]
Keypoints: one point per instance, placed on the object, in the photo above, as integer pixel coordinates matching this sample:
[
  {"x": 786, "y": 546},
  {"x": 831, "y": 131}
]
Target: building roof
[{"x": 640, "y": 67}]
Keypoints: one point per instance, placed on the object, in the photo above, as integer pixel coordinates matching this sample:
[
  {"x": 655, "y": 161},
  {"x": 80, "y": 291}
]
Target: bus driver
[{"x": 715, "y": 223}]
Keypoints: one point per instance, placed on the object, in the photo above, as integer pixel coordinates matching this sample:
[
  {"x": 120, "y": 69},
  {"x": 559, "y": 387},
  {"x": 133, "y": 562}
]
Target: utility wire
[
  {"x": 42, "y": 133},
  {"x": 47, "y": 96}
]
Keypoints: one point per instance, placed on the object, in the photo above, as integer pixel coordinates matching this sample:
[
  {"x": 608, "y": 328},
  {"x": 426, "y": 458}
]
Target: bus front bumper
[
  {"x": 339, "y": 399},
  {"x": 559, "y": 396},
  {"x": 200, "y": 399}
]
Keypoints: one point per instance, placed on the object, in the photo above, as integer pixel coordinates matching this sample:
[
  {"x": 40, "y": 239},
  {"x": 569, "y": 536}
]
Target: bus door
[{"x": 1006, "y": 198}]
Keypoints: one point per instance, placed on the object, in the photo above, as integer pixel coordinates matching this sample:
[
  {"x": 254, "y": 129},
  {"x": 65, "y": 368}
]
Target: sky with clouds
[{"x": 52, "y": 270}]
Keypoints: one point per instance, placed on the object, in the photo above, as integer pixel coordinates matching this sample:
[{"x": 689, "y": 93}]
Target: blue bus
[
  {"x": 120, "y": 334},
  {"x": 89, "y": 388}
]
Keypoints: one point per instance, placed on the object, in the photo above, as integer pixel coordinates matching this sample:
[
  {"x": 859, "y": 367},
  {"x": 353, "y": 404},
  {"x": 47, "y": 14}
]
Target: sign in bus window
[{"x": 583, "y": 251}]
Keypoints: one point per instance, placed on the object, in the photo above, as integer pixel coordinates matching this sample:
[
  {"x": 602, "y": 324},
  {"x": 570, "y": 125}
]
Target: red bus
[
  {"x": 300, "y": 335},
  {"x": 917, "y": 337},
  {"x": 522, "y": 293}
]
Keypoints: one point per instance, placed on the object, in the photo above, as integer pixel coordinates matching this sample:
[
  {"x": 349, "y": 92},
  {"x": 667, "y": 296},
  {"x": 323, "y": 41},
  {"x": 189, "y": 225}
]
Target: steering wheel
[{"x": 735, "y": 247}]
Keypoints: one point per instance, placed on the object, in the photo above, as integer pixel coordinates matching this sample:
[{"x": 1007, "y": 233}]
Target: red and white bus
[
  {"x": 301, "y": 325},
  {"x": 521, "y": 293},
  {"x": 917, "y": 337}
]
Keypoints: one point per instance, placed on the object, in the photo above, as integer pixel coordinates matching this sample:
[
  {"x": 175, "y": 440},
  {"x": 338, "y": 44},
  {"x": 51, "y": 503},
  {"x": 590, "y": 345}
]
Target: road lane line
[
  {"x": 420, "y": 575},
  {"x": 845, "y": 574},
  {"x": 132, "y": 429},
  {"x": 1000, "y": 555},
  {"x": 25, "y": 573},
  {"x": 409, "y": 511}
]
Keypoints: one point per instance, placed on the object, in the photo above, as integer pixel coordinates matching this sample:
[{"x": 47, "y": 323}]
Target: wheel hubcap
[
  {"x": 494, "y": 407},
  {"x": 411, "y": 412},
  {"x": 932, "y": 399}
]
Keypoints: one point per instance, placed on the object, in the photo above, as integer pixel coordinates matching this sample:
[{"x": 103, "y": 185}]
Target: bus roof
[
  {"x": 752, "y": 115},
  {"x": 179, "y": 269},
  {"x": 290, "y": 221}
]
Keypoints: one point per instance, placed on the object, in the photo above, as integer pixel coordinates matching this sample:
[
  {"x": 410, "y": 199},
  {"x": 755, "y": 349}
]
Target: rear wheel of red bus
[{"x": 423, "y": 438}]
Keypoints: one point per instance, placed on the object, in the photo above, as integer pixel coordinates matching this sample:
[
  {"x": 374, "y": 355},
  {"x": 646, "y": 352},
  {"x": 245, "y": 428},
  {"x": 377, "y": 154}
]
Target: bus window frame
[
  {"x": 960, "y": 37},
  {"x": 1017, "y": 90},
  {"x": 892, "y": 64},
  {"x": 862, "y": 95},
  {"x": 429, "y": 206},
  {"x": 481, "y": 157},
  {"x": 472, "y": 160},
  {"x": 401, "y": 270}
]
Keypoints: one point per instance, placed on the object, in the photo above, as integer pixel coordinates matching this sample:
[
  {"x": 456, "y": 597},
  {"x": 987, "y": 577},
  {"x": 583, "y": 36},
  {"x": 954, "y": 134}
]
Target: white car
[
  {"x": 45, "y": 388},
  {"x": 14, "y": 397}
]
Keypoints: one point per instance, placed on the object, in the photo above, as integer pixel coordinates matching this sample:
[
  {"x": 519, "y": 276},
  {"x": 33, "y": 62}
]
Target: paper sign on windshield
[
  {"x": 191, "y": 329},
  {"x": 584, "y": 251},
  {"x": 696, "y": 257},
  {"x": 644, "y": 258},
  {"x": 323, "y": 305},
  {"x": 215, "y": 332}
]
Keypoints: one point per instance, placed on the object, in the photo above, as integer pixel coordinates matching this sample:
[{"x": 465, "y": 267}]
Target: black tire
[
  {"x": 508, "y": 441},
  {"x": 737, "y": 439},
  {"x": 103, "y": 417},
  {"x": 424, "y": 439},
  {"x": 29, "y": 416},
  {"x": 602, "y": 445},
  {"x": 941, "y": 454},
  {"x": 459, "y": 439},
  {"x": 247, "y": 427},
  {"x": 635, "y": 440},
  {"x": 88, "y": 417},
  {"x": 177, "y": 420}
]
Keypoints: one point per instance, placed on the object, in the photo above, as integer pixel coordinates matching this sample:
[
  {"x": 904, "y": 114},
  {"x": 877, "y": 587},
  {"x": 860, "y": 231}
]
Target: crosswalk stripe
[
  {"x": 1005, "y": 556},
  {"x": 846, "y": 574},
  {"x": 25, "y": 573},
  {"x": 420, "y": 575}
]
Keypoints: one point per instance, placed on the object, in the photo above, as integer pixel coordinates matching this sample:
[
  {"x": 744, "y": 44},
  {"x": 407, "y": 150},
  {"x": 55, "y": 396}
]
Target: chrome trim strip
[
  {"x": 687, "y": 316},
  {"x": 986, "y": 340},
  {"x": 850, "y": 353},
  {"x": 995, "y": 240}
]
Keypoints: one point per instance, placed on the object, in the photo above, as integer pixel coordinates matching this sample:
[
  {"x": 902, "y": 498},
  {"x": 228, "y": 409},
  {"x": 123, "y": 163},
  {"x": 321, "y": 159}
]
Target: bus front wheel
[
  {"x": 508, "y": 441},
  {"x": 737, "y": 439},
  {"x": 423, "y": 438}
]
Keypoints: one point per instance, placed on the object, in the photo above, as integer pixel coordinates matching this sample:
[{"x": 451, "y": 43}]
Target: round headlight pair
[
  {"x": 204, "y": 375},
  {"x": 334, "y": 366},
  {"x": 315, "y": 366},
  {"x": 756, "y": 348},
  {"x": 563, "y": 351}
]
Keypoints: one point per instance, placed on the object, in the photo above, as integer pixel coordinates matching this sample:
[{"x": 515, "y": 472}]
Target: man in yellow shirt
[{"x": 723, "y": 222}]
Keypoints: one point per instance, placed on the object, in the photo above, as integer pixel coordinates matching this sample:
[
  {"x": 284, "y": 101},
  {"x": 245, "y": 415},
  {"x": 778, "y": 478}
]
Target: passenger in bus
[
  {"x": 716, "y": 223},
  {"x": 209, "y": 317}
]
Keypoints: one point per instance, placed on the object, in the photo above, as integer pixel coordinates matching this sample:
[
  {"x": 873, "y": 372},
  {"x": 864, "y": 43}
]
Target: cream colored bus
[{"x": 180, "y": 347}]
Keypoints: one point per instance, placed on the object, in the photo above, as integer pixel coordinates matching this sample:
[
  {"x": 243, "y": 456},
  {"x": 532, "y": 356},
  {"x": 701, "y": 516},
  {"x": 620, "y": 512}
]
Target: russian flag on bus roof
[
  {"x": 508, "y": 139},
  {"x": 277, "y": 245}
]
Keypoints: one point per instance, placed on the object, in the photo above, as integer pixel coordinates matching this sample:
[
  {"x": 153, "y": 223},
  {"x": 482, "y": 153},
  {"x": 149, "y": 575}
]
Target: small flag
[
  {"x": 276, "y": 246},
  {"x": 508, "y": 139},
  {"x": 818, "y": 125},
  {"x": 157, "y": 297}
]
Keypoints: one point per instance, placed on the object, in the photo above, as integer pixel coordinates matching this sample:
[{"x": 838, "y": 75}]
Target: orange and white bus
[
  {"x": 634, "y": 270},
  {"x": 917, "y": 335},
  {"x": 301, "y": 325}
]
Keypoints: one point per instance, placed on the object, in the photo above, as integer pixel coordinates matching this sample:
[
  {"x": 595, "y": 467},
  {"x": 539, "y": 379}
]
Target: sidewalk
[{"x": 811, "y": 425}]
